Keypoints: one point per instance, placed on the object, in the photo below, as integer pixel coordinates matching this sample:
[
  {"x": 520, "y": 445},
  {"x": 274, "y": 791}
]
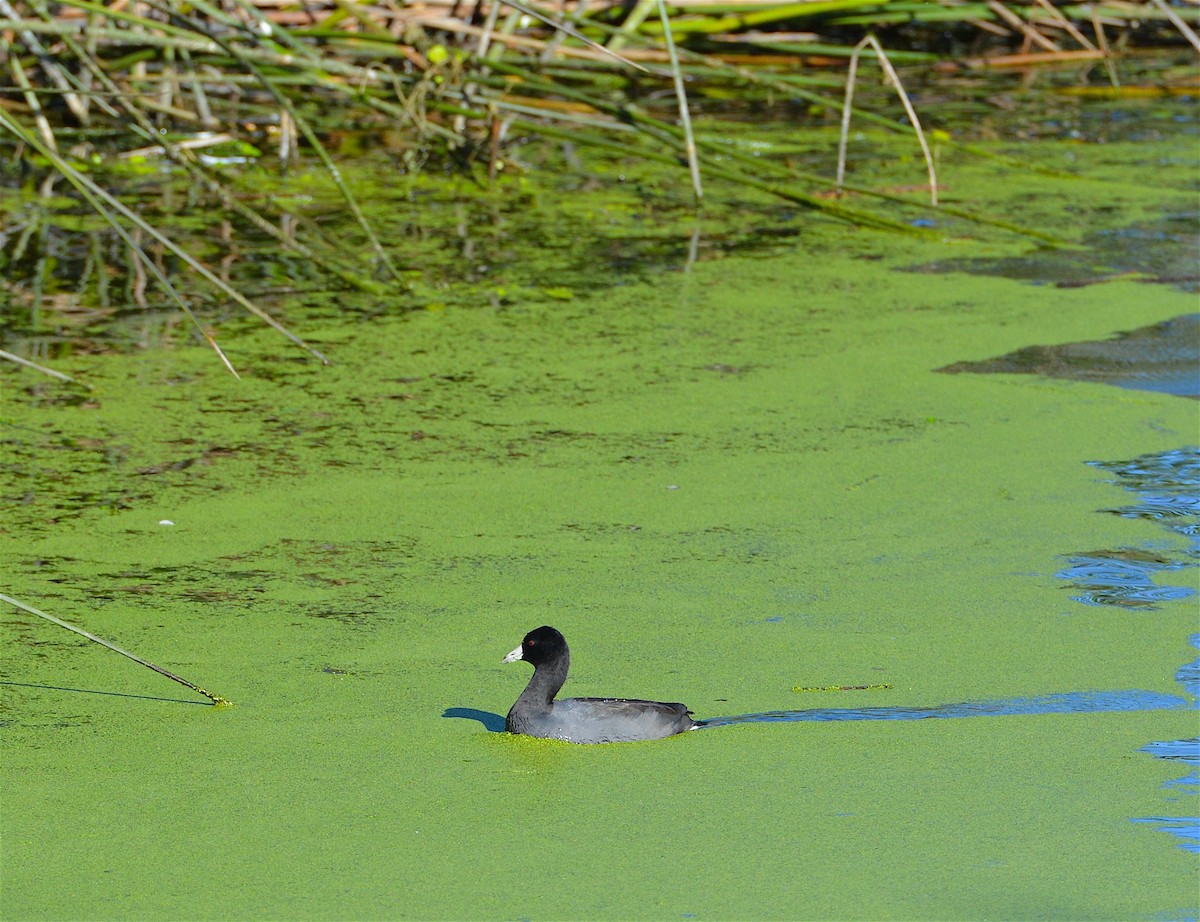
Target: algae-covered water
[{"x": 734, "y": 486}]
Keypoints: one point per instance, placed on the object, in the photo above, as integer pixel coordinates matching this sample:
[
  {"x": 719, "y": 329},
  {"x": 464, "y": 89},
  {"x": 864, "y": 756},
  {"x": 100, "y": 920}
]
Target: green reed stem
[{"x": 215, "y": 699}]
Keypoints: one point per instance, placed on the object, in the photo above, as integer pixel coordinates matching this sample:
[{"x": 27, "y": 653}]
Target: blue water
[{"x": 1167, "y": 487}]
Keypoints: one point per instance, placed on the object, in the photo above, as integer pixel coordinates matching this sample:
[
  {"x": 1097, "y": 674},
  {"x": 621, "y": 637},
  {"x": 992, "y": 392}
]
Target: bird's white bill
[{"x": 512, "y": 657}]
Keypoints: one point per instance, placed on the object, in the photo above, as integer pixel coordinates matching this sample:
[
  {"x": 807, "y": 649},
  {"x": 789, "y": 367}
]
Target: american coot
[{"x": 582, "y": 720}]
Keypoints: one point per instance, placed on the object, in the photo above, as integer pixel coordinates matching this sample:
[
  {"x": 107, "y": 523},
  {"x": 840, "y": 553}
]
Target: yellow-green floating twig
[{"x": 819, "y": 688}]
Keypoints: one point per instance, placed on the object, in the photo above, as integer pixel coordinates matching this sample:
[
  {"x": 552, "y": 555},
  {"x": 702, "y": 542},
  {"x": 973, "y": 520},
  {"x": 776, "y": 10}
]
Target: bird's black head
[{"x": 542, "y": 644}]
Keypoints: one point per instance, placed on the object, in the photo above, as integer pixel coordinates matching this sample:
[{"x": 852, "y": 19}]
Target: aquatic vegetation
[
  {"x": 211, "y": 87},
  {"x": 754, "y": 455}
]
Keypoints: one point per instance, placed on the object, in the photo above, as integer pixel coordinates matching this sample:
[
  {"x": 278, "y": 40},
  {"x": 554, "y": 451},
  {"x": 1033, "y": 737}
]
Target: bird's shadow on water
[
  {"x": 493, "y": 722},
  {"x": 1066, "y": 703}
]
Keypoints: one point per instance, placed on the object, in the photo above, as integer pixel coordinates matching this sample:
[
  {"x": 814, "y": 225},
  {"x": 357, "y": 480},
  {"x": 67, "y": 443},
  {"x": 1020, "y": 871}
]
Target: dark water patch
[
  {"x": 1164, "y": 358},
  {"x": 1189, "y": 674},
  {"x": 1177, "y": 750},
  {"x": 1167, "y": 485},
  {"x": 1162, "y": 252},
  {"x": 1187, "y": 752},
  {"x": 1184, "y": 828}
]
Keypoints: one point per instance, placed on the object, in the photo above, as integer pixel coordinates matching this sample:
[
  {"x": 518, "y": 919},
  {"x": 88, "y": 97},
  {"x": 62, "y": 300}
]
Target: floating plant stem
[
  {"x": 823, "y": 688},
  {"x": 215, "y": 699}
]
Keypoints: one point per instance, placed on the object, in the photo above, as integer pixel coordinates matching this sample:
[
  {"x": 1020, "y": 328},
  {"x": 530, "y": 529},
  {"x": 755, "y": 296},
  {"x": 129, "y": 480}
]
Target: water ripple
[
  {"x": 1167, "y": 486},
  {"x": 1065, "y": 703}
]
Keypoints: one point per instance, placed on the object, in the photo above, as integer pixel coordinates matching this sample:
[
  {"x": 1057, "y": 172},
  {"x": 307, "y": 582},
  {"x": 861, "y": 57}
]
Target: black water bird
[{"x": 582, "y": 720}]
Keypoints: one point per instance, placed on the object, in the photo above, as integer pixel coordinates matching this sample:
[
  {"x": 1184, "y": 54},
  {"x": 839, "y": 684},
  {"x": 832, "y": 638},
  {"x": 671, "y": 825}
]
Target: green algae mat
[{"x": 744, "y": 487}]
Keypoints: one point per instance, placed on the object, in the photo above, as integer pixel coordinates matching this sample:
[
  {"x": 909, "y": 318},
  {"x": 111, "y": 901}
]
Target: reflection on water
[
  {"x": 1167, "y": 486},
  {"x": 1122, "y": 577},
  {"x": 1067, "y": 703},
  {"x": 1186, "y": 752},
  {"x": 1162, "y": 251}
]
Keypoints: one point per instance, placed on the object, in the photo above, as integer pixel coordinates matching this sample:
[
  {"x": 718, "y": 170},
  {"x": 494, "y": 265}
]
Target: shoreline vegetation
[{"x": 89, "y": 85}]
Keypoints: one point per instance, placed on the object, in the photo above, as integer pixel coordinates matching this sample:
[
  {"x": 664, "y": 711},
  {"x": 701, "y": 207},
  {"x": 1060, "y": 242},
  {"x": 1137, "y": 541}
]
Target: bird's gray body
[{"x": 582, "y": 720}]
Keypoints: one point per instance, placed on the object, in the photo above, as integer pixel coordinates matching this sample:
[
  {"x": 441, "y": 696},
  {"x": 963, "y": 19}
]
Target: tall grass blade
[
  {"x": 19, "y": 360},
  {"x": 685, "y": 117}
]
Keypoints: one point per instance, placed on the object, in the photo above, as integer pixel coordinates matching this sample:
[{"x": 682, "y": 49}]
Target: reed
[
  {"x": 164, "y": 77},
  {"x": 215, "y": 699}
]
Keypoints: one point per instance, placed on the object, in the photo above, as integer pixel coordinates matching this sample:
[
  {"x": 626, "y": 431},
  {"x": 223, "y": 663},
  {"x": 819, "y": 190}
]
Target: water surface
[{"x": 722, "y": 485}]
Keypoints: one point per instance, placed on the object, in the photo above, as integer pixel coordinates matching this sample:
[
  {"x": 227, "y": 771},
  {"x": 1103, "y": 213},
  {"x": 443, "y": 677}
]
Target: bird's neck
[{"x": 547, "y": 679}]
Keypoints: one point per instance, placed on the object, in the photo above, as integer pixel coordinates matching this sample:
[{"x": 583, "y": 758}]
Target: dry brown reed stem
[
  {"x": 1102, "y": 42},
  {"x": 180, "y": 153},
  {"x": 1033, "y": 58},
  {"x": 1178, "y": 23},
  {"x": 985, "y": 26},
  {"x": 456, "y": 26},
  {"x": 1066, "y": 24},
  {"x": 894, "y": 79},
  {"x": 1021, "y": 25}
]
